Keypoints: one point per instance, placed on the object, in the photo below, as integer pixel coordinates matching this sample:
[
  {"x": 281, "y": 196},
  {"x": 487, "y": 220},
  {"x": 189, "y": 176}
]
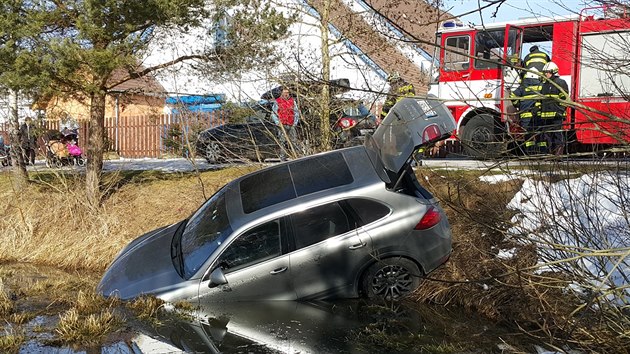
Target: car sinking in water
[{"x": 341, "y": 224}]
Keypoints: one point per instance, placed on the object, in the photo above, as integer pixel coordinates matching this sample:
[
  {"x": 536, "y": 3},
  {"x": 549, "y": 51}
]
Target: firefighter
[
  {"x": 553, "y": 110},
  {"x": 398, "y": 89},
  {"x": 535, "y": 59},
  {"x": 524, "y": 98}
]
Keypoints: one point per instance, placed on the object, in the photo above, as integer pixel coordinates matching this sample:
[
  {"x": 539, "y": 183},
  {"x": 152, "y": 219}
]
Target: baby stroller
[
  {"x": 62, "y": 149},
  {"x": 5, "y": 153}
]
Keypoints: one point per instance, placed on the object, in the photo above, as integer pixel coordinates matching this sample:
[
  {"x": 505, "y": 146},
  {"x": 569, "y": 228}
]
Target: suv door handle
[
  {"x": 357, "y": 246},
  {"x": 279, "y": 270}
]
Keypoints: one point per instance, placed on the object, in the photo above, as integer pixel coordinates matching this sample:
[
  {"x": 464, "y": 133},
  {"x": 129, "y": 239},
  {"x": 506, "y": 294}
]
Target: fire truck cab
[{"x": 479, "y": 66}]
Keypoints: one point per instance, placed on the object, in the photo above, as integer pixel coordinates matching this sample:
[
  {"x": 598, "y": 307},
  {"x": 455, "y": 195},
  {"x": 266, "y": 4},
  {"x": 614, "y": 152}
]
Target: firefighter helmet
[
  {"x": 550, "y": 67},
  {"x": 532, "y": 74},
  {"x": 394, "y": 76}
]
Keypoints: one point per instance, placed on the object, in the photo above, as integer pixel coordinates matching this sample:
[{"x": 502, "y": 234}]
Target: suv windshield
[{"x": 204, "y": 232}]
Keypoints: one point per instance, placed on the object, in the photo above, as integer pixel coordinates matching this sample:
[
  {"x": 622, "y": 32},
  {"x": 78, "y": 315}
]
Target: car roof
[{"x": 301, "y": 181}]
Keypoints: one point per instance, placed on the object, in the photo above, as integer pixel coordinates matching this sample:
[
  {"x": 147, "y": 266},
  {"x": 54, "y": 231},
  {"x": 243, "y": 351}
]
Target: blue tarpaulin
[
  {"x": 198, "y": 108},
  {"x": 196, "y": 103},
  {"x": 197, "y": 99}
]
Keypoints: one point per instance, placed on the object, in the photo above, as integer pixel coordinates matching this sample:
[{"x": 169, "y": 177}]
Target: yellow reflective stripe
[
  {"x": 533, "y": 88},
  {"x": 536, "y": 60},
  {"x": 543, "y": 55},
  {"x": 547, "y": 114},
  {"x": 542, "y": 143},
  {"x": 526, "y": 115},
  {"x": 529, "y": 143}
]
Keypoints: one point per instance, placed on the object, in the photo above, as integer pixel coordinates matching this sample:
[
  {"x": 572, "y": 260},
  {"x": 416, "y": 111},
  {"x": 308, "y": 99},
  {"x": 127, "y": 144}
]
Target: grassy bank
[{"x": 50, "y": 223}]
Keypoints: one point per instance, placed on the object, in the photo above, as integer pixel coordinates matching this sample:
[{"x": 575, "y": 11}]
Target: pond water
[
  {"x": 349, "y": 326},
  {"x": 303, "y": 327}
]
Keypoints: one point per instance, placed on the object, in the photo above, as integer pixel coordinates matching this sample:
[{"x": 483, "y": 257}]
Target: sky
[{"x": 511, "y": 9}]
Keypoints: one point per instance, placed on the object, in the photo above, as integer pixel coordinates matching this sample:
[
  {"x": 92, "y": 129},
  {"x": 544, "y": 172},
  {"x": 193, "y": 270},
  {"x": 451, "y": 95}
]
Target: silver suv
[{"x": 344, "y": 223}]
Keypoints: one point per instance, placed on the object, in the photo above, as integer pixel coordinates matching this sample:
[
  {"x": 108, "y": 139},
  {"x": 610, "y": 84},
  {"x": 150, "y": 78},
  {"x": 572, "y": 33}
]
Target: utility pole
[{"x": 325, "y": 94}]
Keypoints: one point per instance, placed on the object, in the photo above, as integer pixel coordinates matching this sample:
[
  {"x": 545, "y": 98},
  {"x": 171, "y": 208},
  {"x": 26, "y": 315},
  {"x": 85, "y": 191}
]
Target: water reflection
[{"x": 326, "y": 327}]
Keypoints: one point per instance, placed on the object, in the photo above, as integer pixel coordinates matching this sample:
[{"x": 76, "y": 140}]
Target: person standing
[
  {"x": 285, "y": 115},
  {"x": 29, "y": 141},
  {"x": 398, "y": 89},
  {"x": 553, "y": 110},
  {"x": 525, "y": 98}
]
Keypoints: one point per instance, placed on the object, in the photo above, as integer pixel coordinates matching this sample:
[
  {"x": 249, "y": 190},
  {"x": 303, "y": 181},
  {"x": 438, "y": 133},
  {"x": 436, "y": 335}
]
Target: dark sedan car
[
  {"x": 344, "y": 223},
  {"x": 255, "y": 138}
]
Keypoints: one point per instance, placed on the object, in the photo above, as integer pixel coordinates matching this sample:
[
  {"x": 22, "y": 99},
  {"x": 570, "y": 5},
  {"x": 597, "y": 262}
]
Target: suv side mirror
[{"x": 217, "y": 277}]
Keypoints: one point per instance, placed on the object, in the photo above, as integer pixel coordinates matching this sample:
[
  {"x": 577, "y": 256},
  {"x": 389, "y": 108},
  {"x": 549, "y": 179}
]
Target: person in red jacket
[{"x": 286, "y": 116}]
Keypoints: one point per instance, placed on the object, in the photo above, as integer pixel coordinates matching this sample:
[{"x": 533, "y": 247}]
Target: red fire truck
[{"x": 478, "y": 66}]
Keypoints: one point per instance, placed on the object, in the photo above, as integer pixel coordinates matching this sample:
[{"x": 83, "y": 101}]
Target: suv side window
[
  {"x": 368, "y": 210},
  {"x": 254, "y": 246},
  {"x": 319, "y": 223}
]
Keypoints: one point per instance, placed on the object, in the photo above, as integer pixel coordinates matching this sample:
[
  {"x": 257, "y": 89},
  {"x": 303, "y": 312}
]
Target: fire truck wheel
[{"x": 479, "y": 138}]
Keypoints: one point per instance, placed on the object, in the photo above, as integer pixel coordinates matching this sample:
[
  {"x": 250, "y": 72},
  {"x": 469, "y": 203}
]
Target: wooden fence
[{"x": 139, "y": 136}]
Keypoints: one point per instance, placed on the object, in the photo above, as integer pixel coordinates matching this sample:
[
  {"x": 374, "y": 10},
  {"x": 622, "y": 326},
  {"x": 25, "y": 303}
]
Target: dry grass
[
  {"x": 49, "y": 222},
  {"x": 146, "y": 307},
  {"x": 12, "y": 340},
  {"x": 73, "y": 327},
  {"x": 506, "y": 290},
  {"x": 6, "y": 304}
]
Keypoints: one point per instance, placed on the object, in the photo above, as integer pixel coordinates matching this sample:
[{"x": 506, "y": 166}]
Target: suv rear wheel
[{"x": 391, "y": 278}]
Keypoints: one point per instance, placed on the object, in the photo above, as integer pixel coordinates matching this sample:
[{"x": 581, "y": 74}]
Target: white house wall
[{"x": 302, "y": 51}]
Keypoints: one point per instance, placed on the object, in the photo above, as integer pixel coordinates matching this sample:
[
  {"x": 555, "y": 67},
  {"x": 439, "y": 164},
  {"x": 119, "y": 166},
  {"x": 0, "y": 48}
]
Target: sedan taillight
[
  {"x": 431, "y": 218},
  {"x": 347, "y": 123}
]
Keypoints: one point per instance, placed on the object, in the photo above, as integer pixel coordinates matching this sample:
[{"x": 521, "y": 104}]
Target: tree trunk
[
  {"x": 325, "y": 98},
  {"x": 95, "y": 147},
  {"x": 17, "y": 155}
]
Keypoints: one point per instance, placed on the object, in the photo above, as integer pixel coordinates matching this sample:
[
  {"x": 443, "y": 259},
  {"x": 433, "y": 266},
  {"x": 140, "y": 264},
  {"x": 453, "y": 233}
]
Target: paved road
[{"x": 183, "y": 165}]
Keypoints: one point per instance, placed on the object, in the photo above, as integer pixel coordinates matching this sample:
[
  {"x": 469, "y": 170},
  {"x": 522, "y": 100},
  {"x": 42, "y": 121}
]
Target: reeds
[{"x": 51, "y": 223}]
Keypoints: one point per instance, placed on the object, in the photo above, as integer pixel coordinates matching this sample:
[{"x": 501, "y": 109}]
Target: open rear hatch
[{"x": 411, "y": 124}]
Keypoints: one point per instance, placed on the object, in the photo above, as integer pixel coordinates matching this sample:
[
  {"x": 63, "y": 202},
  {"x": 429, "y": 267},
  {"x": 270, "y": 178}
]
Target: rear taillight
[
  {"x": 431, "y": 218},
  {"x": 347, "y": 123}
]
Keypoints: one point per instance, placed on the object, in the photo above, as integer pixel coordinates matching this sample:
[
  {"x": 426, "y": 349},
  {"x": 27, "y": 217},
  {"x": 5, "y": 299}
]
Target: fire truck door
[{"x": 512, "y": 47}]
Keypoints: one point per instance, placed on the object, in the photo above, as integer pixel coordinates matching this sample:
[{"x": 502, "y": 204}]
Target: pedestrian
[
  {"x": 524, "y": 98},
  {"x": 285, "y": 115},
  {"x": 28, "y": 141},
  {"x": 398, "y": 89},
  {"x": 553, "y": 110}
]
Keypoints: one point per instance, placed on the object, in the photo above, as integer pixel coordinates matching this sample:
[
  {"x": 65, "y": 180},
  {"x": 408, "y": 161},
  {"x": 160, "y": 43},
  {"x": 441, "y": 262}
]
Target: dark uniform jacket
[
  {"x": 525, "y": 97},
  {"x": 29, "y": 139},
  {"x": 536, "y": 59},
  {"x": 555, "y": 92}
]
